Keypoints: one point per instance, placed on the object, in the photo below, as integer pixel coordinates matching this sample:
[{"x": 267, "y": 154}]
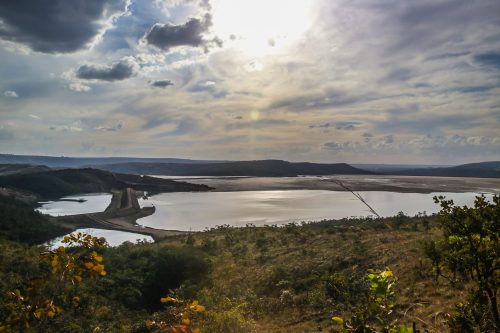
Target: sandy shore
[{"x": 415, "y": 184}]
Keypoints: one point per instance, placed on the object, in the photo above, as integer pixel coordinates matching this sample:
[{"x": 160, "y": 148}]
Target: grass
[{"x": 276, "y": 277}]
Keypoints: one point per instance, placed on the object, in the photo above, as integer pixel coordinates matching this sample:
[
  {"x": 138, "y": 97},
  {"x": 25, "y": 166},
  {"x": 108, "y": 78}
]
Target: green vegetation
[
  {"x": 20, "y": 223},
  {"x": 352, "y": 275},
  {"x": 58, "y": 183}
]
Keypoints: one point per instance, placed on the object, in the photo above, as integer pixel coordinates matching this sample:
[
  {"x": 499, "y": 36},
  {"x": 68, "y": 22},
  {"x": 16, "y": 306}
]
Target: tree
[{"x": 471, "y": 248}]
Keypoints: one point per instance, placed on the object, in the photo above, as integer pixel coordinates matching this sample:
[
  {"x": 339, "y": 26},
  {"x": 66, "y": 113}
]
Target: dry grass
[{"x": 252, "y": 266}]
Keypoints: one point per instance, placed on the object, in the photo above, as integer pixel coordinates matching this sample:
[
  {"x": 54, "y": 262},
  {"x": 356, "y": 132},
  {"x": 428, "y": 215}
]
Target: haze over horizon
[{"x": 415, "y": 82}]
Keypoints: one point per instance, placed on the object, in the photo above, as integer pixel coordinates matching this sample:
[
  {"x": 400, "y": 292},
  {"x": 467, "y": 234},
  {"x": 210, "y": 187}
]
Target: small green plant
[{"x": 377, "y": 315}]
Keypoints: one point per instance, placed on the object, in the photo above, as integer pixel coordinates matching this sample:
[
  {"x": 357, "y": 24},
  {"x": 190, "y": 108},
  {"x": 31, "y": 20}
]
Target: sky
[{"x": 356, "y": 81}]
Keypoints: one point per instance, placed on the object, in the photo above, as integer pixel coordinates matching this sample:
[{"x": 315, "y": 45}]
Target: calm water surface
[
  {"x": 197, "y": 211},
  {"x": 95, "y": 202},
  {"x": 113, "y": 237},
  {"x": 200, "y": 210}
]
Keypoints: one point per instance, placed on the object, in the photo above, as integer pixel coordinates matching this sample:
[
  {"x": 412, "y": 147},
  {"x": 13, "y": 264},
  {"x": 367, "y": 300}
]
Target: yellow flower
[{"x": 168, "y": 299}]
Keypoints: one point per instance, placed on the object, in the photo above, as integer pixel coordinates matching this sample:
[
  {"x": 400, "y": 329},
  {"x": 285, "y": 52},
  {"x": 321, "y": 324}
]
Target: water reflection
[
  {"x": 113, "y": 237},
  {"x": 197, "y": 211},
  {"x": 76, "y": 204}
]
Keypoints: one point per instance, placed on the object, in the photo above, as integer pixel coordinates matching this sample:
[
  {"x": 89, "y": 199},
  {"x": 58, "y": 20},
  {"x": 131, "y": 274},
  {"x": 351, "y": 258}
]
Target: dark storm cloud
[
  {"x": 191, "y": 33},
  {"x": 119, "y": 71},
  {"x": 162, "y": 83},
  {"x": 488, "y": 59},
  {"x": 56, "y": 26}
]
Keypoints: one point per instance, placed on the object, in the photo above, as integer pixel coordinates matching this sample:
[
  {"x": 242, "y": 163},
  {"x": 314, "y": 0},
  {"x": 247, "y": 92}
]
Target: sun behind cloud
[{"x": 261, "y": 27}]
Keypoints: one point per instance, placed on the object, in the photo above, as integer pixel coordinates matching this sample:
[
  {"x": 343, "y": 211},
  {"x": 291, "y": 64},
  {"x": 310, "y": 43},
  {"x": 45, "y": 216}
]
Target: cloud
[
  {"x": 162, "y": 84},
  {"x": 10, "y": 94},
  {"x": 185, "y": 126},
  {"x": 192, "y": 33},
  {"x": 341, "y": 146},
  {"x": 57, "y": 26},
  {"x": 388, "y": 139},
  {"x": 113, "y": 128},
  {"x": 340, "y": 125},
  {"x": 79, "y": 87},
  {"x": 491, "y": 59},
  {"x": 426, "y": 123},
  {"x": 210, "y": 87},
  {"x": 448, "y": 55},
  {"x": 347, "y": 125},
  {"x": 75, "y": 126},
  {"x": 261, "y": 123},
  {"x": 325, "y": 125},
  {"x": 121, "y": 70}
]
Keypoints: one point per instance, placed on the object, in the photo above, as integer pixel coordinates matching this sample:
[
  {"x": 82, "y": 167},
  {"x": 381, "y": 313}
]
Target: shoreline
[
  {"x": 399, "y": 184},
  {"x": 121, "y": 215}
]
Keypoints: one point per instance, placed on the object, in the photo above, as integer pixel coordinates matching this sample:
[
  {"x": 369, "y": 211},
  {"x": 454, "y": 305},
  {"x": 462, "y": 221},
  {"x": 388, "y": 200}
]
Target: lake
[
  {"x": 113, "y": 237},
  {"x": 76, "y": 204},
  {"x": 197, "y": 211},
  {"x": 201, "y": 210}
]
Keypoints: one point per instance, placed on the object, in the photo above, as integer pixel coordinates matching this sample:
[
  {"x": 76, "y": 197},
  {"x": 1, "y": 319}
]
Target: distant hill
[
  {"x": 11, "y": 169},
  {"x": 263, "y": 168},
  {"x": 387, "y": 168},
  {"x": 58, "y": 183},
  {"x": 481, "y": 170},
  {"x": 78, "y": 162}
]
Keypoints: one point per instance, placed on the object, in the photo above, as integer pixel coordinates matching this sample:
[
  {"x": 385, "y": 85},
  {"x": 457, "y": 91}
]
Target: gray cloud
[
  {"x": 340, "y": 125},
  {"x": 388, "y": 139},
  {"x": 318, "y": 101},
  {"x": 429, "y": 123},
  {"x": 210, "y": 87},
  {"x": 367, "y": 137},
  {"x": 341, "y": 146},
  {"x": 491, "y": 59},
  {"x": 185, "y": 126},
  {"x": 56, "y": 26},
  {"x": 261, "y": 123},
  {"x": 112, "y": 128},
  {"x": 162, "y": 83},
  {"x": 121, "y": 70},
  {"x": 191, "y": 33},
  {"x": 347, "y": 125},
  {"x": 448, "y": 55},
  {"x": 325, "y": 125},
  {"x": 156, "y": 120}
]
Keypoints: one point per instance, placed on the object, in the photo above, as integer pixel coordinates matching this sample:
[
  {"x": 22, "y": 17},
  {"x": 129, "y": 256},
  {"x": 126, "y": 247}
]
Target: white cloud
[
  {"x": 79, "y": 87},
  {"x": 10, "y": 93}
]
